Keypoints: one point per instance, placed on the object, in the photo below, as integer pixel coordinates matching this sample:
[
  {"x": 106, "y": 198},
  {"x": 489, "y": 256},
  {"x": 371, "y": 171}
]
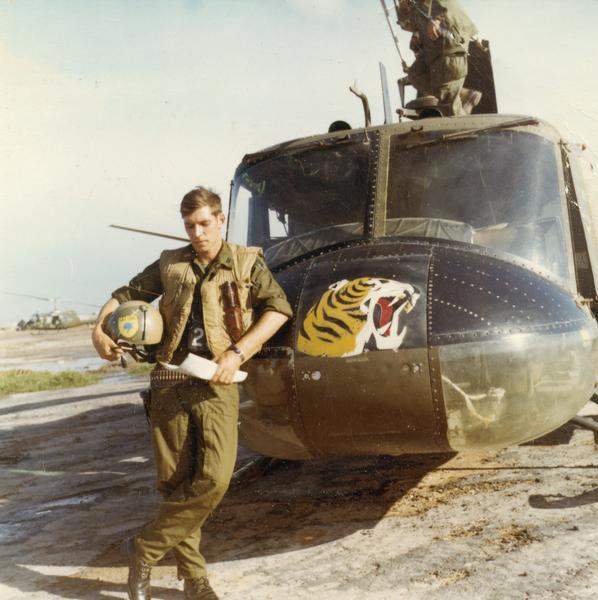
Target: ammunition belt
[{"x": 162, "y": 378}]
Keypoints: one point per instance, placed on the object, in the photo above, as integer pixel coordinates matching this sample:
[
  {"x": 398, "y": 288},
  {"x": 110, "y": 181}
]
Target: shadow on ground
[
  {"x": 80, "y": 484},
  {"x": 562, "y": 435},
  {"x": 76, "y": 486}
]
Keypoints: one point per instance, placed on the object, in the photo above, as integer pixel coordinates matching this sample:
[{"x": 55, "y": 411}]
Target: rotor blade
[
  {"x": 164, "y": 235},
  {"x": 67, "y": 301},
  {"x": 54, "y": 300},
  {"x": 28, "y": 296}
]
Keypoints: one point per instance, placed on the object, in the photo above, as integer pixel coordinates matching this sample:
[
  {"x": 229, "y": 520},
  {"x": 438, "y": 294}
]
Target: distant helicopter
[
  {"x": 443, "y": 274},
  {"x": 56, "y": 319}
]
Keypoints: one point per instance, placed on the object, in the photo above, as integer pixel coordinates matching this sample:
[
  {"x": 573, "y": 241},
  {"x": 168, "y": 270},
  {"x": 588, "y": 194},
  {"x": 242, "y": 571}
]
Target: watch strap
[{"x": 234, "y": 348}]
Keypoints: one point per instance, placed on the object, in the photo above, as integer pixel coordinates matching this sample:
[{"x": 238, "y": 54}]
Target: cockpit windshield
[
  {"x": 301, "y": 201},
  {"x": 498, "y": 189}
]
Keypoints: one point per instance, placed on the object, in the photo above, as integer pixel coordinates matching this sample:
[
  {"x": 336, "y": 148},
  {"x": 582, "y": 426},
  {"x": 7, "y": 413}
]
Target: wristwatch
[{"x": 237, "y": 351}]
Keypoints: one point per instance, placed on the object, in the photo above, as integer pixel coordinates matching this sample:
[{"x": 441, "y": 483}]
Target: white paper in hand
[{"x": 197, "y": 366}]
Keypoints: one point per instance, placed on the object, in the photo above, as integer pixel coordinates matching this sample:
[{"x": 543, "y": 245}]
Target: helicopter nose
[{"x": 512, "y": 354}]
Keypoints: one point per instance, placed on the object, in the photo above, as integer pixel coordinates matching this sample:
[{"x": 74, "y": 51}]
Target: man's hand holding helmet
[{"x": 104, "y": 345}]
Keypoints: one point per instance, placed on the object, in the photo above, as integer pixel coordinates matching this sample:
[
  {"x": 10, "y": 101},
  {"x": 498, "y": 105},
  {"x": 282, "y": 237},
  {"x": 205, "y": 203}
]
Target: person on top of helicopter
[{"x": 441, "y": 34}]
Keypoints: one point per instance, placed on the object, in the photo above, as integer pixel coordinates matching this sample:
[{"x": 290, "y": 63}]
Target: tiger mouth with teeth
[{"x": 383, "y": 313}]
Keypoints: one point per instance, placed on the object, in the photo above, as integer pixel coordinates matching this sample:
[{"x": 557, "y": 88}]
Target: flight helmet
[{"x": 136, "y": 324}]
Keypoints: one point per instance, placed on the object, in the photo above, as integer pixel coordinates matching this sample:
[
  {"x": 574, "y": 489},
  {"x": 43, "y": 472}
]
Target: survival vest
[{"x": 179, "y": 280}]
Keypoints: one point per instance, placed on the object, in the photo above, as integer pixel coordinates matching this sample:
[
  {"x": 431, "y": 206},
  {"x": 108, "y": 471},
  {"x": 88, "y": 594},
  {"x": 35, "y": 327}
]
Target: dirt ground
[{"x": 76, "y": 479}]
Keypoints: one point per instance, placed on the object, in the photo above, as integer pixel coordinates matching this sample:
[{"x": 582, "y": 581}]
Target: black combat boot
[
  {"x": 138, "y": 583},
  {"x": 199, "y": 589}
]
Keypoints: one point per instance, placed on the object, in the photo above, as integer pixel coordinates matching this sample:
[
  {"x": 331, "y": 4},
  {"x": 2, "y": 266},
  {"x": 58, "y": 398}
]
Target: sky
[{"x": 110, "y": 111}]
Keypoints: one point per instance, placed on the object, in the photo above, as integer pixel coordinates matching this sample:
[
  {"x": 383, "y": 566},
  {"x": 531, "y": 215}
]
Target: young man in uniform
[
  {"x": 194, "y": 422},
  {"x": 441, "y": 34}
]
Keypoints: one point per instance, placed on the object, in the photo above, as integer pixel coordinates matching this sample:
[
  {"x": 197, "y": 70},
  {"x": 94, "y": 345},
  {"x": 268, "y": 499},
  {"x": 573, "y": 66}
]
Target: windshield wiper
[
  {"x": 472, "y": 133},
  {"x": 279, "y": 149}
]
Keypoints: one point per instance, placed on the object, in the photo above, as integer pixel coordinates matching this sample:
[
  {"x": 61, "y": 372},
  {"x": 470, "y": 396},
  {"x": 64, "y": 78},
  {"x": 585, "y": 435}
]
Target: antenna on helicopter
[
  {"x": 392, "y": 32},
  {"x": 364, "y": 100},
  {"x": 385, "y": 95}
]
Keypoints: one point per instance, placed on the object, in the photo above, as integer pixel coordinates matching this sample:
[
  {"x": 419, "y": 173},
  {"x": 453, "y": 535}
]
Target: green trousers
[
  {"x": 194, "y": 438},
  {"x": 444, "y": 77}
]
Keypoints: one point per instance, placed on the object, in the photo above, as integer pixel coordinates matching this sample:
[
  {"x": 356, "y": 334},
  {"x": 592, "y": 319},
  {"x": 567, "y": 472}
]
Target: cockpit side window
[
  {"x": 499, "y": 189},
  {"x": 297, "y": 202}
]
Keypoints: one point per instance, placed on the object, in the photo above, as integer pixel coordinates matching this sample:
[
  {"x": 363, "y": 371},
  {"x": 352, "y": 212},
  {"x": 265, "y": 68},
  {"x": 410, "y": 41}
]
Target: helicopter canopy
[
  {"x": 502, "y": 189},
  {"x": 499, "y": 190},
  {"x": 301, "y": 201}
]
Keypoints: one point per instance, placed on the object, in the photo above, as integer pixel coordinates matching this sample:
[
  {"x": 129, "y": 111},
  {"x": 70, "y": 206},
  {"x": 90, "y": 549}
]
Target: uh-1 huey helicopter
[
  {"x": 443, "y": 274},
  {"x": 56, "y": 319}
]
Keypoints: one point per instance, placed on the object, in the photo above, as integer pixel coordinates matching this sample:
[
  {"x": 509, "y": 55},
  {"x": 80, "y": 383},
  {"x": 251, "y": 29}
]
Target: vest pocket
[
  {"x": 175, "y": 281},
  {"x": 245, "y": 293}
]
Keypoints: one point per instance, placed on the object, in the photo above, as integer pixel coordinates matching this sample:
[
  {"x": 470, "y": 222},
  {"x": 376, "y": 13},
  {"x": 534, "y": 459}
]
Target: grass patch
[
  {"x": 133, "y": 368},
  {"x": 23, "y": 380},
  {"x": 136, "y": 368},
  {"x": 18, "y": 381}
]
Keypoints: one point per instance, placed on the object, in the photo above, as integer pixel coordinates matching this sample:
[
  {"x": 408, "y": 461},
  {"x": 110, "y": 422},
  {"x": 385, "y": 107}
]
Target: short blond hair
[{"x": 199, "y": 197}]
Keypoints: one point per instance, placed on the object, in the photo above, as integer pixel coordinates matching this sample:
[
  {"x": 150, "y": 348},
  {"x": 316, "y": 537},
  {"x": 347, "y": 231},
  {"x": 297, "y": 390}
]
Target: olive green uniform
[
  {"x": 440, "y": 67},
  {"x": 194, "y": 428}
]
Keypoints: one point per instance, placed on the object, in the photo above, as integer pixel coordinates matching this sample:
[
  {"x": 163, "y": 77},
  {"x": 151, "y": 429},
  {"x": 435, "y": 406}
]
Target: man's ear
[{"x": 221, "y": 218}]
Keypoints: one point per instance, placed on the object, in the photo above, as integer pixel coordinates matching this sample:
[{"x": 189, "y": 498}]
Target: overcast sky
[{"x": 110, "y": 111}]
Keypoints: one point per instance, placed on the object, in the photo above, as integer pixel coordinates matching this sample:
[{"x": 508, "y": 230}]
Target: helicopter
[
  {"x": 56, "y": 319},
  {"x": 443, "y": 274},
  {"x": 442, "y": 284}
]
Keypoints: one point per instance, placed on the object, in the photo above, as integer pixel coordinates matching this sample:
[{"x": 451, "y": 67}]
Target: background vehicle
[{"x": 56, "y": 319}]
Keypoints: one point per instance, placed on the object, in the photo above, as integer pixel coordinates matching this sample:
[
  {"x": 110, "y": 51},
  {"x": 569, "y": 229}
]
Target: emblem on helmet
[{"x": 128, "y": 326}]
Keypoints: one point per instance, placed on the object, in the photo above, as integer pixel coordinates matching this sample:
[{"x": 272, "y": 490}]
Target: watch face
[{"x": 237, "y": 351}]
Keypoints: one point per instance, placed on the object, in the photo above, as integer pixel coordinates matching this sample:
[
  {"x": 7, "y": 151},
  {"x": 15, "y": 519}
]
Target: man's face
[{"x": 204, "y": 231}]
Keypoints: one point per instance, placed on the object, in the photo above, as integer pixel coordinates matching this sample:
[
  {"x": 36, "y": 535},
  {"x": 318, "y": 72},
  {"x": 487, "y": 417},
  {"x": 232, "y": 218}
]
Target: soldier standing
[
  {"x": 194, "y": 422},
  {"x": 441, "y": 34}
]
